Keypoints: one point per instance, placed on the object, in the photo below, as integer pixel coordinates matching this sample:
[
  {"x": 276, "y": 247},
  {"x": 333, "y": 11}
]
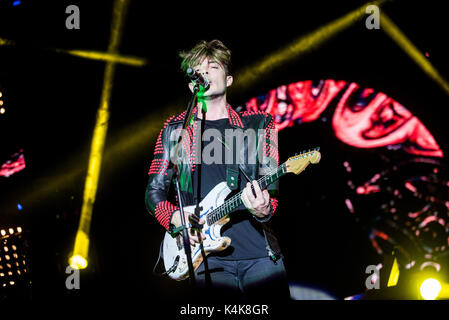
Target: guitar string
[{"x": 220, "y": 211}]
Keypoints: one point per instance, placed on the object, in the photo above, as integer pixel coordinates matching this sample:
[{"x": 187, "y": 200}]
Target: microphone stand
[{"x": 185, "y": 233}]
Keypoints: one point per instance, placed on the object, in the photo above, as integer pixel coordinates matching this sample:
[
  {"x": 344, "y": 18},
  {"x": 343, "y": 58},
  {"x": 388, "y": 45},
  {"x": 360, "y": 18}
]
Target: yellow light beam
[
  {"x": 81, "y": 246},
  {"x": 389, "y": 27},
  {"x": 94, "y": 55},
  {"x": 298, "y": 47},
  {"x": 106, "y": 56},
  {"x": 394, "y": 274}
]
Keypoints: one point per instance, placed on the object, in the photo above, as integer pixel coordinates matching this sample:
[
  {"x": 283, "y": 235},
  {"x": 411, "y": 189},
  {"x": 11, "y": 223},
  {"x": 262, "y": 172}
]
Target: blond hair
[{"x": 214, "y": 50}]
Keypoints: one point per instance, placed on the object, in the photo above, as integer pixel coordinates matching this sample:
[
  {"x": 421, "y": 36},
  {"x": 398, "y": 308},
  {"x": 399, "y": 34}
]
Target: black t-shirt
[{"x": 247, "y": 238}]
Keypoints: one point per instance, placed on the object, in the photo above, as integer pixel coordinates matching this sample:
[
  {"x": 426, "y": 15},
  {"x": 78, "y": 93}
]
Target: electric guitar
[{"x": 215, "y": 212}]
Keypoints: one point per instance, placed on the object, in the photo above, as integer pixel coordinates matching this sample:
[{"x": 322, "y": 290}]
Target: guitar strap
[
  {"x": 232, "y": 170},
  {"x": 197, "y": 191}
]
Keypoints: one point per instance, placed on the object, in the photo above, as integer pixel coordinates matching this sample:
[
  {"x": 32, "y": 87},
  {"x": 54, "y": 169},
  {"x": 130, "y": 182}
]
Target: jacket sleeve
[
  {"x": 270, "y": 161},
  {"x": 160, "y": 175}
]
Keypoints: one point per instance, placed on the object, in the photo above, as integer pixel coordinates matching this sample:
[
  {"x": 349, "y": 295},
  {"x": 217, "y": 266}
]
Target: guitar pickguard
[{"x": 173, "y": 247}]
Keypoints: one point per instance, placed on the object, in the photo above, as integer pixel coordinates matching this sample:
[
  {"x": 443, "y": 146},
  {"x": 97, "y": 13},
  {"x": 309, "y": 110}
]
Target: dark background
[{"x": 52, "y": 99}]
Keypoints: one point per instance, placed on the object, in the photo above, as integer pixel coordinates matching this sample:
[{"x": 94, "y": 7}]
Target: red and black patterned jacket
[{"x": 159, "y": 197}]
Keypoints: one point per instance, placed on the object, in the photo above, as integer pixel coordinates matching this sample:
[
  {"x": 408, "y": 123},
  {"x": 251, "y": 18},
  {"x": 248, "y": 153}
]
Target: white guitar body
[{"x": 173, "y": 248}]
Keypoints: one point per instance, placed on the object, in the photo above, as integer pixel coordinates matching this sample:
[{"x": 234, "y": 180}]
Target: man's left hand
[{"x": 258, "y": 205}]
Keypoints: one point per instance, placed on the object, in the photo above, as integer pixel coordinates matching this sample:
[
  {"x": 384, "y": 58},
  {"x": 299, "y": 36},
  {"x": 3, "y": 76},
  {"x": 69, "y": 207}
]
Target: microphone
[{"x": 197, "y": 78}]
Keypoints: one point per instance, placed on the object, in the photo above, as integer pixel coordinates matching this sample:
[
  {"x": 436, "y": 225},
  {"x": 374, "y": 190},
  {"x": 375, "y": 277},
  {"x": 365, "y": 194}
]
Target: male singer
[{"x": 252, "y": 266}]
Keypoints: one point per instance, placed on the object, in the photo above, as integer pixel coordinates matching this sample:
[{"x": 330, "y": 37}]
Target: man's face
[{"x": 214, "y": 72}]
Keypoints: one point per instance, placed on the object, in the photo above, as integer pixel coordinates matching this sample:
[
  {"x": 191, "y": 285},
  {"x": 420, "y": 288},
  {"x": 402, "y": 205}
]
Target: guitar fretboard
[{"x": 235, "y": 201}]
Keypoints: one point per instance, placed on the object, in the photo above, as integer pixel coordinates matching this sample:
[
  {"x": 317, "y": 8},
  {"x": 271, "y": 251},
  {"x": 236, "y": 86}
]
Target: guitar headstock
[{"x": 298, "y": 163}]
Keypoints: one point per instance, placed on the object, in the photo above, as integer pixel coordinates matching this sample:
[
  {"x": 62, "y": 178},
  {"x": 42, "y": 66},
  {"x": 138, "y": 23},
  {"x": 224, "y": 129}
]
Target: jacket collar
[{"x": 234, "y": 118}]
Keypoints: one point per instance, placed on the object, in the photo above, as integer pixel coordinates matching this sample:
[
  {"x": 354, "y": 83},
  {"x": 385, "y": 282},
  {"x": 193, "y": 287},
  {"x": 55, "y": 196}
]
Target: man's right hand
[{"x": 192, "y": 219}]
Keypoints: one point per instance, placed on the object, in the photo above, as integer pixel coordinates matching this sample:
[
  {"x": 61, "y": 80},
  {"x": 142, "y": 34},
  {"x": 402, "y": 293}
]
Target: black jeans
[{"x": 243, "y": 280}]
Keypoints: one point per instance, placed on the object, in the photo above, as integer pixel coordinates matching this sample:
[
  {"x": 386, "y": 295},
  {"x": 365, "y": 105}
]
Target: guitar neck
[{"x": 235, "y": 201}]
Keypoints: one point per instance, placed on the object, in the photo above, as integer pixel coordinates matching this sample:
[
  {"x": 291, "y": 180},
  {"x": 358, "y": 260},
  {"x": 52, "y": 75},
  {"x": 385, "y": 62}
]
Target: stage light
[
  {"x": 13, "y": 246},
  {"x": 1, "y": 94},
  {"x": 19, "y": 206},
  {"x": 19, "y": 229},
  {"x": 3, "y": 232},
  {"x": 81, "y": 246},
  {"x": 78, "y": 262},
  {"x": 1, "y": 102},
  {"x": 2, "y": 110},
  {"x": 430, "y": 289},
  {"x": 81, "y": 249}
]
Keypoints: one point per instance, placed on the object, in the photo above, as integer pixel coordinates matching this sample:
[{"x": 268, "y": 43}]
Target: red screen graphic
[{"x": 363, "y": 117}]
